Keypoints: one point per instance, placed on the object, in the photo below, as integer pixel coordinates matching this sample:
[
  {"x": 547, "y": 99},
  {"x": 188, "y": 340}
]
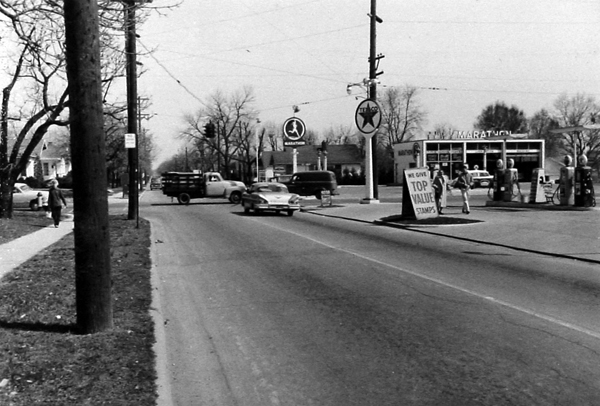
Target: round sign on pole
[
  {"x": 368, "y": 116},
  {"x": 293, "y": 132}
]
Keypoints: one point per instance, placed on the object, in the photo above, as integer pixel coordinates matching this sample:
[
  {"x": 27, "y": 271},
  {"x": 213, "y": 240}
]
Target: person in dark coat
[
  {"x": 463, "y": 182},
  {"x": 439, "y": 188},
  {"x": 56, "y": 201}
]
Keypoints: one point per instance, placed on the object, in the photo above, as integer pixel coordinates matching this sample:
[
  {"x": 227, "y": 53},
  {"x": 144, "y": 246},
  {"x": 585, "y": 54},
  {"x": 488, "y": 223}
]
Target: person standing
[
  {"x": 439, "y": 186},
  {"x": 56, "y": 201},
  {"x": 463, "y": 183}
]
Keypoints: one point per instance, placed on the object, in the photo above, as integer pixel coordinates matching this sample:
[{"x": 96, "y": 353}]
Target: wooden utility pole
[
  {"x": 92, "y": 239},
  {"x": 132, "y": 107},
  {"x": 373, "y": 91}
]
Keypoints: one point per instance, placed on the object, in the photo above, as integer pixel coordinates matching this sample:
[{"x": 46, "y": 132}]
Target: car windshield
[
  {"x": 24, "y": 188},
  {"x": 271, "y": 188}
]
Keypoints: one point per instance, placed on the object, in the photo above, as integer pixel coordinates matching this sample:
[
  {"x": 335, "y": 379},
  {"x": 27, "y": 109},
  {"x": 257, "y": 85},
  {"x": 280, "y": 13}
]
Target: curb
[
  {"x": 538, "y": 206},
  {"x": 421, "y": 229}
]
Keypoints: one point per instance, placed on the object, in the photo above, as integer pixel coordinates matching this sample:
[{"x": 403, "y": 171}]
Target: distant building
[
  {"x": 341, "y": 159},
  {"x": 480, "y": 153},
  {"x": 50, "y": 158}
]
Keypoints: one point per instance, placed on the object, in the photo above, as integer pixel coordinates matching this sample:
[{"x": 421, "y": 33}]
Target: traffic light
[{"x": 209, "y": 130}]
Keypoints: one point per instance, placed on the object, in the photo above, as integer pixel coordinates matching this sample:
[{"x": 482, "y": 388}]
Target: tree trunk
[{"x": 92, "y": 246}]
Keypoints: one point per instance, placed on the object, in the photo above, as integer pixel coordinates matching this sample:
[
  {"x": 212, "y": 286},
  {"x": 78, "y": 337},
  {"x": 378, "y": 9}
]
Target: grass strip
[{"x": 43, "y": 360}]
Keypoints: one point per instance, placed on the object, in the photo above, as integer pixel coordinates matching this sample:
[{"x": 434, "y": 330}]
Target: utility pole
[
  {"x": 373, "y": 91},
  {"x": 92, "y": 239},
  {"x": 132, "y": 107}
]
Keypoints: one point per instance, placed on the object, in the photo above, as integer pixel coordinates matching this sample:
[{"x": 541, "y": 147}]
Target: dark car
[
  {"x": 155, "y": 183},
  {"x": 311, "y": 183}
]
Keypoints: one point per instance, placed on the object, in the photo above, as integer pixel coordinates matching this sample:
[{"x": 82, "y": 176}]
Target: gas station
[{"x": 480, "y": 153}]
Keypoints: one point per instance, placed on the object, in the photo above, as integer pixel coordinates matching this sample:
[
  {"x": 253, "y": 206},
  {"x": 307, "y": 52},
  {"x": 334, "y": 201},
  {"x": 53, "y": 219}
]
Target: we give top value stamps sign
[{"x": 418, "y": 186}]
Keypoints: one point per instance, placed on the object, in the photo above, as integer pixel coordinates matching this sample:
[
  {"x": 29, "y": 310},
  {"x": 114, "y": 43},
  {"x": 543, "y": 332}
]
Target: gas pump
[
  {"x": 498, "y": 183},
  {"x": 511, "y": 177},
  {"x": 584, "y": 188},
  {"x": 566, "y": 188}
]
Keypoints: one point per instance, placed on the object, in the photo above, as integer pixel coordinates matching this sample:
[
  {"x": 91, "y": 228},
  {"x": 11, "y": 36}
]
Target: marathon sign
[
  {"x": 293, "y": 132},
  {"x": 470, "y": 134}
]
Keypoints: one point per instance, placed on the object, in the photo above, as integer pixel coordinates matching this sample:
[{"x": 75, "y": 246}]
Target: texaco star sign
[{"x": 368, "y": 116}]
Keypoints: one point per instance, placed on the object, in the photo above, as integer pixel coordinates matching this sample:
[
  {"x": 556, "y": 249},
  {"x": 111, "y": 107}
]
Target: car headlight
[
  {"x": 294, "y": 200},
  {"x": 262, "y": 200}
]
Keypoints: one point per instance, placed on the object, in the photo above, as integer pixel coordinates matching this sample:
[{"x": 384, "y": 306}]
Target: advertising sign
[
  {"x": 293, "y": 132},
  {"x": 417, "y": 185},
  {"x": 368, "y": 116}
]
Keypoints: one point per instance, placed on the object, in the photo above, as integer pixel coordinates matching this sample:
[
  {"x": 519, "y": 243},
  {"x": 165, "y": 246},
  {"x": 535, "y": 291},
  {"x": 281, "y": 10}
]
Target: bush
[
  {"x": 33, "y": 182},
  {"x": 65, "y": 182}
]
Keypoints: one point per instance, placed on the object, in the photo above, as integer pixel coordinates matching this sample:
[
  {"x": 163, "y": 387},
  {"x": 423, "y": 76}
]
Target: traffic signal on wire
[{"x": 209, "y": 130}]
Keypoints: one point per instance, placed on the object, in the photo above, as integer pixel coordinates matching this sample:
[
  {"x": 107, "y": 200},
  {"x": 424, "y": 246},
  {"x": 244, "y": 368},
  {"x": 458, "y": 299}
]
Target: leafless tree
[
  {"x": 235, "y": 125},
  {"x": 577, "y": 111},
  {"x": 36, "y": 96},
  {"x": 403, "y": 116}
]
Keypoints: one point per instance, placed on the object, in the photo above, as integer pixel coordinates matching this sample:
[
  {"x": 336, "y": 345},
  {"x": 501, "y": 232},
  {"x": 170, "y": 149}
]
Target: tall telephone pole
[
  {"x": 132, "y": 107},
  {"x": 373, "y": 63},
  {"x": 92, "y": 239}
]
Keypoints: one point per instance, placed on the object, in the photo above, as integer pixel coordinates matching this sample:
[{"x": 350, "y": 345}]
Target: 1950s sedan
[{"x": 270, "y": 196}]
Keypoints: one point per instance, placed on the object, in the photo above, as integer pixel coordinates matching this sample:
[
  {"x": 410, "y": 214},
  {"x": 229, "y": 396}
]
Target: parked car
[
  {"x": 312, "y": 183},
  {"x": 481, "y": 178},
  {"x": 270, "y": 196},
  {"x": 24, "y": 196}
]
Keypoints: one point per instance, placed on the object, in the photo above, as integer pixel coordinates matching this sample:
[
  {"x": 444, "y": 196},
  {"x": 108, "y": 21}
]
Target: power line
[{"x": 170, "y": 74}]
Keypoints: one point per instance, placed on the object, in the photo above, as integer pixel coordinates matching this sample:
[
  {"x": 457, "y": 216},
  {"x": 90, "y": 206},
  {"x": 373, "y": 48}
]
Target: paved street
[{"x": 312, "y": 310}]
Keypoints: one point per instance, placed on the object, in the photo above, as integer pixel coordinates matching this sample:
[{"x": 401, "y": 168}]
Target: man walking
[{"x": 56, "y": 201}]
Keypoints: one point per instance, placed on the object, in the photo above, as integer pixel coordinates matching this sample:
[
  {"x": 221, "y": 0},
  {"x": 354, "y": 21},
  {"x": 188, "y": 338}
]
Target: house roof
[
  {"x": 49, "y": 150},
  {"x": 336, "y": 155}
]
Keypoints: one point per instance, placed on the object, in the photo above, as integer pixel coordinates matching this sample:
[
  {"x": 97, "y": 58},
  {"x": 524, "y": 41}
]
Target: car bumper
[{"x": 277, "y": 207}]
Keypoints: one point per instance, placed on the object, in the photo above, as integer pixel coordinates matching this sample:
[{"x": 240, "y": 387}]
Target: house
[
  {"x": 52, "y": 158},
  {"x": 344, "y": 160}
]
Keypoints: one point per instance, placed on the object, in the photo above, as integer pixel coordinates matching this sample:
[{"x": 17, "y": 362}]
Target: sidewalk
[
  {"x": 17, "y": 251},
  {"x": 562, "y": 232}
]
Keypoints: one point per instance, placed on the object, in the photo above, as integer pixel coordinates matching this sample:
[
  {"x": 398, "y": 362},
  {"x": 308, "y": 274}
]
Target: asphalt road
[{"x": 306, "y": 310}]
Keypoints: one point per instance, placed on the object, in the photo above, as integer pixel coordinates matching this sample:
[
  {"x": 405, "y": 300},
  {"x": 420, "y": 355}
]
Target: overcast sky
[{"x": 305, "y": 52}]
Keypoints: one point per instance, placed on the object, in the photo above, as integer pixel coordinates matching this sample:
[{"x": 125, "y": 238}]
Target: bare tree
[
  {"x": 403, "y": 116},
  {"x": 443, "y": 131},
  {"x": 341, "y": 135},
  {"x": 234, "y": 119},
  {"x": 539, "y": 128},
  {"x": 577, "y": 111},
  {"x": 500, "y": 117},
  {"x": 35, "y": 33}
]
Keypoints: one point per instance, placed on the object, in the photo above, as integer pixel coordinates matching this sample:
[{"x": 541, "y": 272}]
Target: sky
[{"x": 461, "y": 55}]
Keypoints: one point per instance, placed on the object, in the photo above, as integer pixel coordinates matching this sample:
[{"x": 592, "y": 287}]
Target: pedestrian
[
  {"x": 439, "y": 187},
  {"x": 463, "y": 183},
  {"x": 56, "y": 201}
]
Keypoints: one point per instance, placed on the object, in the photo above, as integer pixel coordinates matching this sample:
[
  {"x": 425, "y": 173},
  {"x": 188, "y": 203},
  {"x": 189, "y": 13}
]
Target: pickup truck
[{"x": 191, "y": 185}]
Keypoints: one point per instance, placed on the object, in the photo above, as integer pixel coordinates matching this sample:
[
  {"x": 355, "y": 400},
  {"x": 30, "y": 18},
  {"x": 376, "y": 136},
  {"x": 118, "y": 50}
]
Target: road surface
[{"x": 305, "y": 310}]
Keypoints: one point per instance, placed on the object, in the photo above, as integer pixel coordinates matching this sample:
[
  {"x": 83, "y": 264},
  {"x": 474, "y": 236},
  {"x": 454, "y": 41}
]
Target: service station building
[{"x": 479, "y": 153}]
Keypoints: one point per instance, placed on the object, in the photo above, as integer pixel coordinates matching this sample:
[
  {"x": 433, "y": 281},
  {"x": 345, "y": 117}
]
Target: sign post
[
  {"x": 368, "y": 120},
  {"x": 293, "y": 134}
]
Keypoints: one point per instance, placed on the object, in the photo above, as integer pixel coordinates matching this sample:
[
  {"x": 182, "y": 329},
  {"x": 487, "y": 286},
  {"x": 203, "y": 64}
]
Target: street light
[{"x": 365, "y": 84}]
